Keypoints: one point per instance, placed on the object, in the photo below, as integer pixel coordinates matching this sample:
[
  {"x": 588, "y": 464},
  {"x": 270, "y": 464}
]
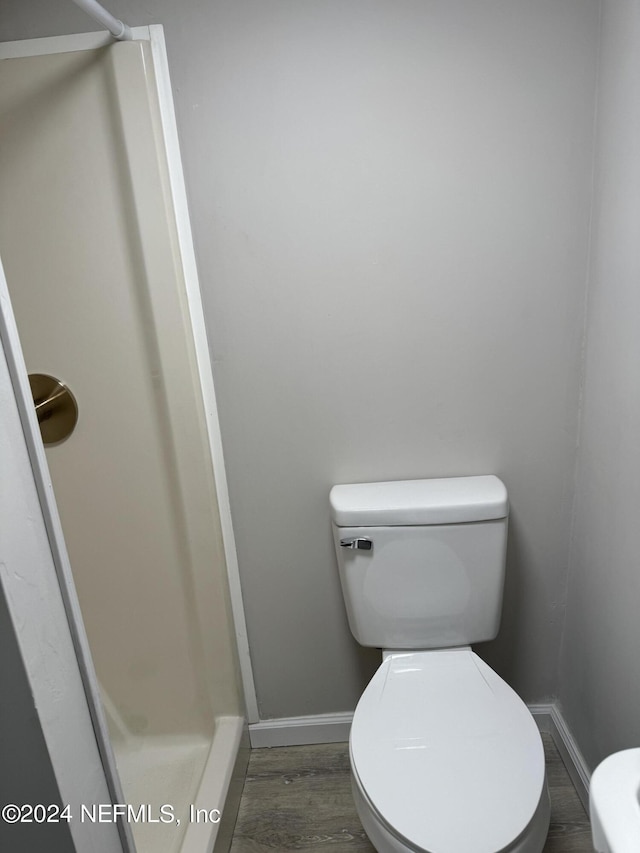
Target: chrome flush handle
[{"x": 357, "y": 544}]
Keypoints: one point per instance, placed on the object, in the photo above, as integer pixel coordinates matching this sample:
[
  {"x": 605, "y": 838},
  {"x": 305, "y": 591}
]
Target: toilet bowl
[{"x": 446, "y": 758}]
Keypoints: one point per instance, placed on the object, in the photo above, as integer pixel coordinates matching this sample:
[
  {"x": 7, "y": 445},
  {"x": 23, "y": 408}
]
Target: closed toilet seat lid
[{"x": 447, "y": 754}]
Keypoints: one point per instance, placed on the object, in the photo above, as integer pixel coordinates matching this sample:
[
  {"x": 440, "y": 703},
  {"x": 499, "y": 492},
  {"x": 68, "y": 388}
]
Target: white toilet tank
[{"x": 422, "y": 561}]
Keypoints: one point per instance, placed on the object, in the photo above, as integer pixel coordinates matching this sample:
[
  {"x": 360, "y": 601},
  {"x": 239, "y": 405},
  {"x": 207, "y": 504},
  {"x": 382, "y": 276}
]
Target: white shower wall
[{"x": 89, "y": 244}]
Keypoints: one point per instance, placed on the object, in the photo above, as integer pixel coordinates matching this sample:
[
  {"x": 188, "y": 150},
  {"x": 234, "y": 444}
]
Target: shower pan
[{"x": 96, "y": 248}]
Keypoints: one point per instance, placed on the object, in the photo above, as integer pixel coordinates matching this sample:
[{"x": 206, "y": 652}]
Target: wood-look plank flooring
[{"x": 299, "y": 798}]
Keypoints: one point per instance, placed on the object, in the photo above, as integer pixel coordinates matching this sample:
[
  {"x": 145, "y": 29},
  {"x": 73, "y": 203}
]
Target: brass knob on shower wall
[{"x": 56, "y": 407}]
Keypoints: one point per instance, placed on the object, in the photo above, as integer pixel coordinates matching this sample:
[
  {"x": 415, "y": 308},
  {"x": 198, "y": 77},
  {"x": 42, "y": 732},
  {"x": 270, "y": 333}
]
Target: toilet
[{"x": 445, "y": 757}]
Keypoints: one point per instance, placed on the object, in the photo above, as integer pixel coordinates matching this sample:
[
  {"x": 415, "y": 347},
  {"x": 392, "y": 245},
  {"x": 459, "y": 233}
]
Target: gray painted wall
[
  {"x": 398, "y": 235},
  {"x": 27, "y": 775},
  {"x": 390, "y": 204},
  {"x": 599, "y": 683}
]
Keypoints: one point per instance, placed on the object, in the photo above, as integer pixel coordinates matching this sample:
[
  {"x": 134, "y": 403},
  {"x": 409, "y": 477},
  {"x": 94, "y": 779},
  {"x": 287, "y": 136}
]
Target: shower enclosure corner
[{"x": 98, "y": 261}]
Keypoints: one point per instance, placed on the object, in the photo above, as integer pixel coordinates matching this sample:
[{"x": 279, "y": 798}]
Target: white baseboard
[
  {"x": 550, "y": 720},
  {"x": 542, "y": 715},
  {"x": 334, "y": 728},
  {"x": 296, "y": 731},
  {"x": 572, "y": 756}
]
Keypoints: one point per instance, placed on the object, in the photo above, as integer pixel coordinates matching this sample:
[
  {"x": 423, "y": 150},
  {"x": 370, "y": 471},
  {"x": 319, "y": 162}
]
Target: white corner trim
[
  {"x": 549, "y": 719},
  {"x": 64, "y": 44},
  {"x": 203, "y": 359},
  {"x": 296, "y": 731}
]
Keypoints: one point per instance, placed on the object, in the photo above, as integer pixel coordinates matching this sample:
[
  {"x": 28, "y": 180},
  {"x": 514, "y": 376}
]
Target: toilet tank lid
[{"x": 452, "y": 500}]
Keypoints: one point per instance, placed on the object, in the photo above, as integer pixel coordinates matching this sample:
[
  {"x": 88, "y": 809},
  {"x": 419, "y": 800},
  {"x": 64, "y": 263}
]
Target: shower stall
[{"x": 96, "y": 247}]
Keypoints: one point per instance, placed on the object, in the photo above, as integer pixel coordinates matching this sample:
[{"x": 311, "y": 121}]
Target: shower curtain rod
[{"x": 117, "y": 29}]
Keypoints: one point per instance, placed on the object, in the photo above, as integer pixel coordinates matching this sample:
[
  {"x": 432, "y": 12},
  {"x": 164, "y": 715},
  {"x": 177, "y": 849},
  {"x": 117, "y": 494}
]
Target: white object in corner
[{"x": 614, "y": 803}]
